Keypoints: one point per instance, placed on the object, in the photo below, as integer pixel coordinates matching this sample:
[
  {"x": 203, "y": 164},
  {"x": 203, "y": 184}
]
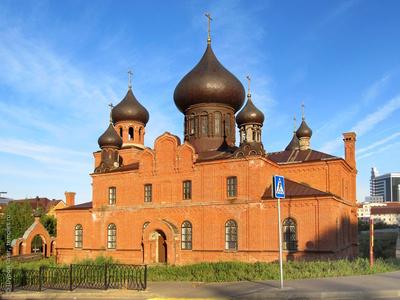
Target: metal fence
[{"x": 114, "y": 276}]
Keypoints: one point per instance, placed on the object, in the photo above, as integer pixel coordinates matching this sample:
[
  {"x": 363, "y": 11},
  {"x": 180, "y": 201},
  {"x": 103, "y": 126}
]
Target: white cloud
[
  {"x": 379, "y": 143},
  {"x": 370, "y": 94},
  {"x": 48, "y": 155},
  {"x": 366, "y": 124},
  {"x": 376, "y": 88},
  {"x": 378, "y": 116},
  {"x": 339, "y": 10},
  {"x": 380, "y": 150}
]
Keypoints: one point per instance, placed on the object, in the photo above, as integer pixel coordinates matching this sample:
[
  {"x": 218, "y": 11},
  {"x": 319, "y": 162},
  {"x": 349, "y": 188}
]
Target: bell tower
[{"x": 130, "y": 119}]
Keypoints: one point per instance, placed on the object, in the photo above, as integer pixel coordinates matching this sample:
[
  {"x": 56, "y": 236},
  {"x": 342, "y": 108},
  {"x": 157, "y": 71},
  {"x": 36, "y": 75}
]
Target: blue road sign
[{"x": 279, "y": 186}]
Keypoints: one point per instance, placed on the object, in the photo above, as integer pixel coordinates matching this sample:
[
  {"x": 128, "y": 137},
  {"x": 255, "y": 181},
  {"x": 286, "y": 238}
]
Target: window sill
[{"x": 231, "y": 250}]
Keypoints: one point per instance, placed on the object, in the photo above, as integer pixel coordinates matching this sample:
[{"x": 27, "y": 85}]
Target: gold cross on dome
[
  {"x": 130, "y": 78},
  {"x": 209, "y": 27},
  {"x": 248, "y": 85},
  {"x": 294, "y": 123},
  {"x": 111, "y": 107},
  {"x": 302, "y": 110}
]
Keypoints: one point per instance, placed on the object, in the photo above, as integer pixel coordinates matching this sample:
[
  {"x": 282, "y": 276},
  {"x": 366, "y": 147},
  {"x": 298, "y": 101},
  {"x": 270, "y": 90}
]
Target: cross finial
[
  {"x": 294, "y": 123},
  {"x": 111, "y": 107},
  {"x": 130, "y": 79},
  {"x": 302, "y": 111},
  {"x": 248, "y": 86},
  {"x": 209, "y": 28}
]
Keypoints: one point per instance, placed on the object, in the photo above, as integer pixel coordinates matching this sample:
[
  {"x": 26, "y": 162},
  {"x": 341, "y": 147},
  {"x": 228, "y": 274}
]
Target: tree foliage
[
  {"x": 16, "y": 220},
  {"x": 50, "y": 223}
]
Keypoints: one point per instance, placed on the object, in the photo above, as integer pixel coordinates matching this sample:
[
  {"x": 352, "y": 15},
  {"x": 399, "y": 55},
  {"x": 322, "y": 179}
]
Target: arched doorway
[
  {"x": 161, "y": 247},
  {"x": 52, "y": 248},
  {"x": 37, "y": 245},
  {"x": 20, "y": 248}
]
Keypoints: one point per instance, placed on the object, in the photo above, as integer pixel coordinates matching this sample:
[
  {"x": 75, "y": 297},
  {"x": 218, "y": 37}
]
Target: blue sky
[{"x": 62, "y": 62}]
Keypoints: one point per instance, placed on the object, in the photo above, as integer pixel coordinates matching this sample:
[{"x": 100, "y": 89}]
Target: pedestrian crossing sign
[{"x": 279, "y": 186}]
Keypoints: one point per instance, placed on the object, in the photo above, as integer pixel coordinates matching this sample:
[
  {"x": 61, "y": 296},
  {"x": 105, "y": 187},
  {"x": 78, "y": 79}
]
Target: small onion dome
[
  {"x": 250, "y": 114},
  {"x": 209, "y": 82},
  {"x": 294, "y": 143},
  {"x": 129, "y": 109},
  {"x": 304, "y": 130},
  {"x": 110, "y": 138},
  {"x": 37, "y": 213}
]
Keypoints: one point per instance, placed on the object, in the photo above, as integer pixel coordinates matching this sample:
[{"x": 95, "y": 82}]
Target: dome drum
[
  {"x": 132, "y": 133},
  {"x": 208, "y": 127}
]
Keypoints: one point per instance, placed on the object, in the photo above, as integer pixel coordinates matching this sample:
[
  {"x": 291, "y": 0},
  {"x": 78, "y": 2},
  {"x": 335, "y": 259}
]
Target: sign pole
[
  {"x": 280, "y": 242},
  {"x": 371, "y": 241}
]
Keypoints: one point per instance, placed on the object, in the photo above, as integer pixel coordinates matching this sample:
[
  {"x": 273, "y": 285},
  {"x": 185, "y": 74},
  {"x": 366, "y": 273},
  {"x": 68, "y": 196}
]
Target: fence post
[
  {"x": 23, "y": 277},
  {"x": 145, "y": 277},
  {"x": 70, "y": 277},
  {"x": 105, "y": 276},
  {"x": 40, "y": 277},
  {"x": 12, "y": 279}
]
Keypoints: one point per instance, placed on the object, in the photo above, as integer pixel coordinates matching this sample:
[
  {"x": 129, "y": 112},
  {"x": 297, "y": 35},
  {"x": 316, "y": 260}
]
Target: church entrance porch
[{"x": 160, "y": 239}]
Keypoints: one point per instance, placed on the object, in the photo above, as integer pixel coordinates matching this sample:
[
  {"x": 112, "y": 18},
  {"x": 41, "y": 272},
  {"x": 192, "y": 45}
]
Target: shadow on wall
[{"x": 338, "y": 242}]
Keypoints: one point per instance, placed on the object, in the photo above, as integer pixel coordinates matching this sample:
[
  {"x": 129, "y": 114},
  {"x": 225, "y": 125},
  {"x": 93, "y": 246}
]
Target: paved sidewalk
[{"x": 382, "y": 286}]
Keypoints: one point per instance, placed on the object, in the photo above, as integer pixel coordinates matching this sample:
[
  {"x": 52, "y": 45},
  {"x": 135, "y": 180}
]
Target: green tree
[
  {"x": 17, "y": 218},
  {"x": 50, "y": 223}
]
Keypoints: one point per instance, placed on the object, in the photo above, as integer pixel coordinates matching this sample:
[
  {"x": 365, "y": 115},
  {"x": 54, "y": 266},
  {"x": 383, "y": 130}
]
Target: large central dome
[{"x": 209, "y": 82}]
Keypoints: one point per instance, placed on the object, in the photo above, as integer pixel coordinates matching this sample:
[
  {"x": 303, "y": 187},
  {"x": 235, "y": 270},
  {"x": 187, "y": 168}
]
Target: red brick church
[{"x": 208, "y": 197}]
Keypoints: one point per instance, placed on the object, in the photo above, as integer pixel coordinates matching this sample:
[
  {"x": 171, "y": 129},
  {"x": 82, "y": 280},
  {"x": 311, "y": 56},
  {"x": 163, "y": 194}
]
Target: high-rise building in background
[{"x": 386, "y": 186}]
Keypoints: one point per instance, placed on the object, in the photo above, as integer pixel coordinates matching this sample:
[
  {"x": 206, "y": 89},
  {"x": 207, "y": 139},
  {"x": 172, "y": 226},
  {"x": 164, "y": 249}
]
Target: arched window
[
  {"x": 140, "y": 133},
  {"x": 78, "y": 236},
  {"x": 289, "y": 234},
  {"x": 112, "y": 195},
  {"x": 130, "y": 133},
  {"x": 111, "y": 236},
  {"x": 120, "y": 131},
  {"x": 192, "y": 125},
  {"x": 227, "y": 125},
  {"x": 186, "y": 238},
  {"x": 146, "y": 224},
  {"x": 217, "y": 123},
  {"x": 231, "y": 236},
  {"x": 204, "y": 123}
]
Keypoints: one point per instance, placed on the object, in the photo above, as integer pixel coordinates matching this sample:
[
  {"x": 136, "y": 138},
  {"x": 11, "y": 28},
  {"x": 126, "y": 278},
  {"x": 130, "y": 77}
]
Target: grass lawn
[{"x": 239, "y": 271}]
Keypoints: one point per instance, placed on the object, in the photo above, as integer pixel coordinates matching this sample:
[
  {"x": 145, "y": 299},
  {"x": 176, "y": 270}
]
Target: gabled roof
[
  {"x": 39, "y": 202},
  {"x": 294, "y": 189},
  {"x": 385, "y": 210},
  {"x": 289, "y": 156},
  {"x": 86, "y": 205}
]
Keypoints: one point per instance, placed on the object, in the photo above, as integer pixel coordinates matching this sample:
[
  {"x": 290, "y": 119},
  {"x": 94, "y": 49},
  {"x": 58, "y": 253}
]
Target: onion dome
[
  {"x": 304, "y": 130},
  {"x": 209, "y": 82},
  {"x": 294, "y": 143},
  {"x": 129, "y": 109},
  {"x": 110, "y": 138},
  {"x": 250, "y": 114}
]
